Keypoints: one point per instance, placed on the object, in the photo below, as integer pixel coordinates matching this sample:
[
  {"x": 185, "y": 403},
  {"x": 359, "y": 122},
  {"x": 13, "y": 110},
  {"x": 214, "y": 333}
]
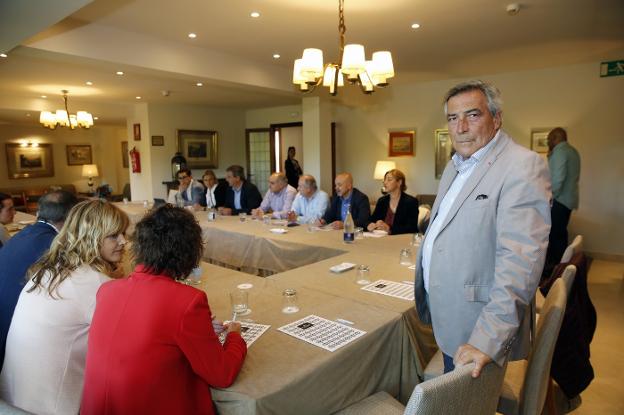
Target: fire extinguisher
[{"x": 135, "y": 159}]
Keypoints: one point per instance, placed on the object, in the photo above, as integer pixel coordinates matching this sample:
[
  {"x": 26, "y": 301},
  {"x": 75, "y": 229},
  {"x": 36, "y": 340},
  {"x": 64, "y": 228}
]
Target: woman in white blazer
[{"x": 47, "y": 340}]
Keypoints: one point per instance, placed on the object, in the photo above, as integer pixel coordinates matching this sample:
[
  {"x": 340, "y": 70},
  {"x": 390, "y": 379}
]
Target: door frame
[
  {"x": 278, "y": 127},
  {"x": 247, "y": 152}
]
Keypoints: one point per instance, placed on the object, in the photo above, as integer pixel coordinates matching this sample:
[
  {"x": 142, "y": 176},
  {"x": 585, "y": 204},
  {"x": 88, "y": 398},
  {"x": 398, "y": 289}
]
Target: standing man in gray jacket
[{"x": 483, "y": 253}]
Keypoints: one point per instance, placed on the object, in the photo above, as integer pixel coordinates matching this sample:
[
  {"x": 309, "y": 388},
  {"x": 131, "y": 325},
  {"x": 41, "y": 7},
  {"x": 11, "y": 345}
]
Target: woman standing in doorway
[{"x": 292, "y": 167}]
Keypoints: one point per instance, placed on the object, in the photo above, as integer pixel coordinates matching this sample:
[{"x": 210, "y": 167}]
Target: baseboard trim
[{"x": 606, "y": 257}]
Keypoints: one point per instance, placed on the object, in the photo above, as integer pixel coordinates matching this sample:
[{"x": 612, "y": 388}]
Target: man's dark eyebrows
[{"x": 474, "y": 111}]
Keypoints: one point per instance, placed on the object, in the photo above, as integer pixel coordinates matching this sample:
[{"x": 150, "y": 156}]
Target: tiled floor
[{"x": 605, "y": 395}]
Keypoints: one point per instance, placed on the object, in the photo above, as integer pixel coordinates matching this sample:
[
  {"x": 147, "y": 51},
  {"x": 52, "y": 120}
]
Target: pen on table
[
  {"x": 343, "y": 321},
  {"x": 234, "y": 316}
]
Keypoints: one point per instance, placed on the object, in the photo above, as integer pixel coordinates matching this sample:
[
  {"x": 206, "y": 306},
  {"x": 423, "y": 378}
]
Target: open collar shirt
[
  {"x": 280, "y": 203},
  {"x": 309, "y": 210}
]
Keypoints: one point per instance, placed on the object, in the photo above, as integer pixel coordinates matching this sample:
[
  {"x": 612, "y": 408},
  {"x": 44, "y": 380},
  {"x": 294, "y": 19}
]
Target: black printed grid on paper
[
  {"x": 392, "y": 288},
  {"x": 326, "y": 334},
  {"x": 250, "y": 332}
]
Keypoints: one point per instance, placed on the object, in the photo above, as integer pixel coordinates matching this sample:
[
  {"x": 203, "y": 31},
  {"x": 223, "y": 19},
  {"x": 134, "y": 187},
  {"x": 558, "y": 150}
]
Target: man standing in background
[{"x": 564, "y": 164}]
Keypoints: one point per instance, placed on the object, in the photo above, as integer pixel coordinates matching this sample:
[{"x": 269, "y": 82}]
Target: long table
[{"x": 282, "y": 374}]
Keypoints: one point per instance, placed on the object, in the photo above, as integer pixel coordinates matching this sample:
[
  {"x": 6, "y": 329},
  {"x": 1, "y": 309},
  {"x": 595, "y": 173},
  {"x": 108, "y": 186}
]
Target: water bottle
[{"x": 349, "y": 229}]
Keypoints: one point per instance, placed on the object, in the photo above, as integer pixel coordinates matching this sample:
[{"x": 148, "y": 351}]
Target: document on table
[
  {"x": 250, "y": 332},
  {"x": 392, "y": 288},
  {"x": 323, "y": 333}
]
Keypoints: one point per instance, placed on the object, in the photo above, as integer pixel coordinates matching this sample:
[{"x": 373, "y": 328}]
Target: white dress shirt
[
  {"x": 309, "y": 210},
  {"x": 464, "y": 168},
  {"x": 211, "y": 201}
]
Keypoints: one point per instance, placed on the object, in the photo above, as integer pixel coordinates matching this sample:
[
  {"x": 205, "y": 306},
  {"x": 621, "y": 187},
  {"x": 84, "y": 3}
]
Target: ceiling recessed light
[
  {"x": 254, "y": 14},
  {"x": 96, "y": 118},
  {"x": 199, "y": 84},
  {"x": 89, "y": 83},
  {"x": 138, "y": 97},
  {"x": 44, "y": 96},
  {"x": 119, "y": 73},
  {"x": 276, "y": 56},
  {"x": 415, "y": 25},
  {"x": 192, "y": 35},
  {"x": 28, "y": 114},
  {"x": 3, "y": 55}
]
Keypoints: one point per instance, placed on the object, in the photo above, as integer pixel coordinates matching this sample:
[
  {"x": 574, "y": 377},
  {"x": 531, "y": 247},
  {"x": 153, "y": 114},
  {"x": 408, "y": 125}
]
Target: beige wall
[
  {"x": 264, "y": 117},
  {"x": 166, "y": 119},
  {"x": 105, "y": 142},
  {"x": 574, "y": 97}
]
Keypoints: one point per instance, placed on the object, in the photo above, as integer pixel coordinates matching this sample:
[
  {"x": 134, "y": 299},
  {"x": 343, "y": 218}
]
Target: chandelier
[
  {"x": 63, "y": 118},
  {"x": 309, "y": 71}
]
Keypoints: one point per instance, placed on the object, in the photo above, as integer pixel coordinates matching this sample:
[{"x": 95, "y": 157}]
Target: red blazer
[{"x": 152, "y": 349}]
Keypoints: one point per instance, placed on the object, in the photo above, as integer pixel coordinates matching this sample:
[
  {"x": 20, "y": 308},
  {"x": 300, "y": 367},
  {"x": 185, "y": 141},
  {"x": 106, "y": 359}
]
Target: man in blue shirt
[
  {"x": 24, "y": 249},
  {"x": 310, "y": 203},
  {"x": 242, "y": 196},
  {"x": 564, "y": 164},
  {"x": 347, "y": 198}
]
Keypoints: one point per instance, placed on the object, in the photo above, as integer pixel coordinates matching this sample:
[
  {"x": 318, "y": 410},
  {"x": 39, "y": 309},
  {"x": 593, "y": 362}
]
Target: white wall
[
  {"x": 105, "y": 142},
  {"x": 575, "y": 97},
  {"x": 264, "y": 117},
  {"x": 165, "y": 120}
]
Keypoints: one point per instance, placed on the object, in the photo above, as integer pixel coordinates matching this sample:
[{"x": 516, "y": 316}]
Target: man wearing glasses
[{"x": 190, "y": 192}]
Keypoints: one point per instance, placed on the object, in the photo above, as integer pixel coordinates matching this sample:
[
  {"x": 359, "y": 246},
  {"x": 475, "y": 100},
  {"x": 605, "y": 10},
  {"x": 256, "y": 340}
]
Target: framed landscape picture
[
  {"x": 199, "y": 148},
  {"x": 539, "y": 140},
  {"x": 77, "y": 155},
  {"x": 443, "y": 150},
  {"x": 28, "y": 161},
  {"x": 401, "y": 143}
]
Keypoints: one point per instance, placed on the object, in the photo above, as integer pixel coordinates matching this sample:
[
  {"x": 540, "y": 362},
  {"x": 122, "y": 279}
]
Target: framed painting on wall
[
  {"x": 443, "y": 150},
  {"x": 28, "y": 161},
  {"x": 158, "y": 140},
  {"x": 136, "y": 128},
  {"x": 401, "y": 143},
  {"x": 124, "y": 154},
  {"x": 539, "y": 140},
  {"x": 77, "y": 155},
  {"x": 199, "y": 148}
]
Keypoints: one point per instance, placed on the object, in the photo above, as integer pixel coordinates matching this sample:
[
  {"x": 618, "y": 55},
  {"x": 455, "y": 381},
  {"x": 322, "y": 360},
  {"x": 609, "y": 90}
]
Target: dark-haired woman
[
  {"x": 292, "y": 168},
  {"x": 152, "y": 346},
  {"x": 396, "y": 212}
]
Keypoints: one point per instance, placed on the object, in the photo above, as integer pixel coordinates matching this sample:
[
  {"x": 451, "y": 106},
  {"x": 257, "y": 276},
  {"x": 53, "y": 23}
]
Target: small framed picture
[
  {"x": 539, "y": 140},
  {"x": 137, "y": 132},
  {"x": 401, "y": 143},
  {"x": 78, "y": 155},
  {"x": 124, "y": 154},
  {"x": 158, "y": 140},
  {"x": 443, "y": 150},
  {"x": 27, "y": 162}
]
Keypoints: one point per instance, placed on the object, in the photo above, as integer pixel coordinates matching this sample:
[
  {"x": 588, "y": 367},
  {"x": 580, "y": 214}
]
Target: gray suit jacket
[{"x": 488, "y": 257}]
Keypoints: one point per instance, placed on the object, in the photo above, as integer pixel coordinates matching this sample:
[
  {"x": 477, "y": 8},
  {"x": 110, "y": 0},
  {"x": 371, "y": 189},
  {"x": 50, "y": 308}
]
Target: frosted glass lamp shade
[
  {"x": 62, "y": 118},
  {"x": 383, "y": 64},
  {"x": 353, "y": 61},
  {"x": 382, "y": 167},
  {"x": 312, "y": 64},
  {"x": 298, "y": 78}
]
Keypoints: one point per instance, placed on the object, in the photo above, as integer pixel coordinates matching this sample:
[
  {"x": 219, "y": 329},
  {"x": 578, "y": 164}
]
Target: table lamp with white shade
[
  {"x": 382, "y": 167},
  {"x": 90, "y": 171}
]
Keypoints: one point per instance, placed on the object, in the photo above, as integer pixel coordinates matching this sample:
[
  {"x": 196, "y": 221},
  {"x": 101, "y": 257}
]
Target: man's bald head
[
  {"x": 343, "y": 184},
  {"x": 277, "y": 181}
]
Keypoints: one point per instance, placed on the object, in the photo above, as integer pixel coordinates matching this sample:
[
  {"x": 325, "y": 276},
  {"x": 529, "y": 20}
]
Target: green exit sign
[{"x": 613, "y": 68}]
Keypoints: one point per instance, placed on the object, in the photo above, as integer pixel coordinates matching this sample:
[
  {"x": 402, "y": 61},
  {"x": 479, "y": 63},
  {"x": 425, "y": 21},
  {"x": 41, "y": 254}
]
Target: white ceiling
[{"x": 232, "y": 54}]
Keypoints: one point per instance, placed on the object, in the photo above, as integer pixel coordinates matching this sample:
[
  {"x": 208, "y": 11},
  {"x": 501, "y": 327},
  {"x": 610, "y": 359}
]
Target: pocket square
[{"x": 481, "y": 197}]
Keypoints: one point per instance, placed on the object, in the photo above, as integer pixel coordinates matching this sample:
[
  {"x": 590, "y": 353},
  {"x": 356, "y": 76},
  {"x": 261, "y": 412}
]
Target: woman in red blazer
[{"x": 152, "y": 347}]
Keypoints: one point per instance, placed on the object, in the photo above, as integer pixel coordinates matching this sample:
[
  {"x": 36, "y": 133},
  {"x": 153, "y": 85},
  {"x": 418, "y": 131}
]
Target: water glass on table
[
  {"x": 194, "y": 278},
  {"x": 289, "y": 301},
  {"x": 405, "y": 257},
  {"x": 362, "y": 274},
  {"x": 359, "y": 233},
  {"x": 242, "y": 217},
  {"x": 240, "y": 302},
  {"x": 417, "y": 239}
]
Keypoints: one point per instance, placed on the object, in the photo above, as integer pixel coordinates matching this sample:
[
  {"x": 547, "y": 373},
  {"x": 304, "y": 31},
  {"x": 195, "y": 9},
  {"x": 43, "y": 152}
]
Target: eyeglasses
[{"x": 182, "y": 177}]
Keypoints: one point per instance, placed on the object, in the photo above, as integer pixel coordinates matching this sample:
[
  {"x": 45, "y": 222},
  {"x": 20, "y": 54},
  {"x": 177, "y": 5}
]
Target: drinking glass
[
  {"x": 289, "y": 301},
  {"x": 125, "y": 200},
  {"x": 266, "y": 220},
  {"x": 359, "y": 233},
  {"x": 240, "y": 302},
  {"x": 417, "y": 239},
  {"x": 242, "y": 217},
  {"x": 405, "y": 258},
  {"x": 212, "y": 215},
  {"x": 362, "y": 274},
  {"x": 194, "y": 278}
]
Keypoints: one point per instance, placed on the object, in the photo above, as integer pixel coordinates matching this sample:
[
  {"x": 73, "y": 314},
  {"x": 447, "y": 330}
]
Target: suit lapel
[{"x": 476, "y": 177}]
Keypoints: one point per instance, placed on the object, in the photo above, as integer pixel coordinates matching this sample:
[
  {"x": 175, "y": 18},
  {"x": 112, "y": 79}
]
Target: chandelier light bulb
[
  {"x": 353, "y": 61},
  {"x": 312, "y": 64},
  {"x": 63, "y": 118}
]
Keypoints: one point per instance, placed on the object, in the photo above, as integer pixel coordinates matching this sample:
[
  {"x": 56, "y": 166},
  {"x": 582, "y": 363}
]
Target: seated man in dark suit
[
  {"x": 396, "y": 212},
  {"x": 24, "y": 249},
  {"x": 347, "y": 198},
  {"x": 242, "y": 196}
]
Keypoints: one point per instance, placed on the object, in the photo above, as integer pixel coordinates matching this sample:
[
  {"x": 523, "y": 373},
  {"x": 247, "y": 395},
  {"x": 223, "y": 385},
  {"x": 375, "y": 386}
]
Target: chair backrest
[
  {"x": 537, "y": 375},
  {"x": 575, "y": 247},
  {"x": 568, "y": 277},
  {"x": 457, "y": 392}
]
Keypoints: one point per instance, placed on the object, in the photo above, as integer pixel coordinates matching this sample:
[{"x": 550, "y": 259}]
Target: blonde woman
[{"x": 47, "y": 341}]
